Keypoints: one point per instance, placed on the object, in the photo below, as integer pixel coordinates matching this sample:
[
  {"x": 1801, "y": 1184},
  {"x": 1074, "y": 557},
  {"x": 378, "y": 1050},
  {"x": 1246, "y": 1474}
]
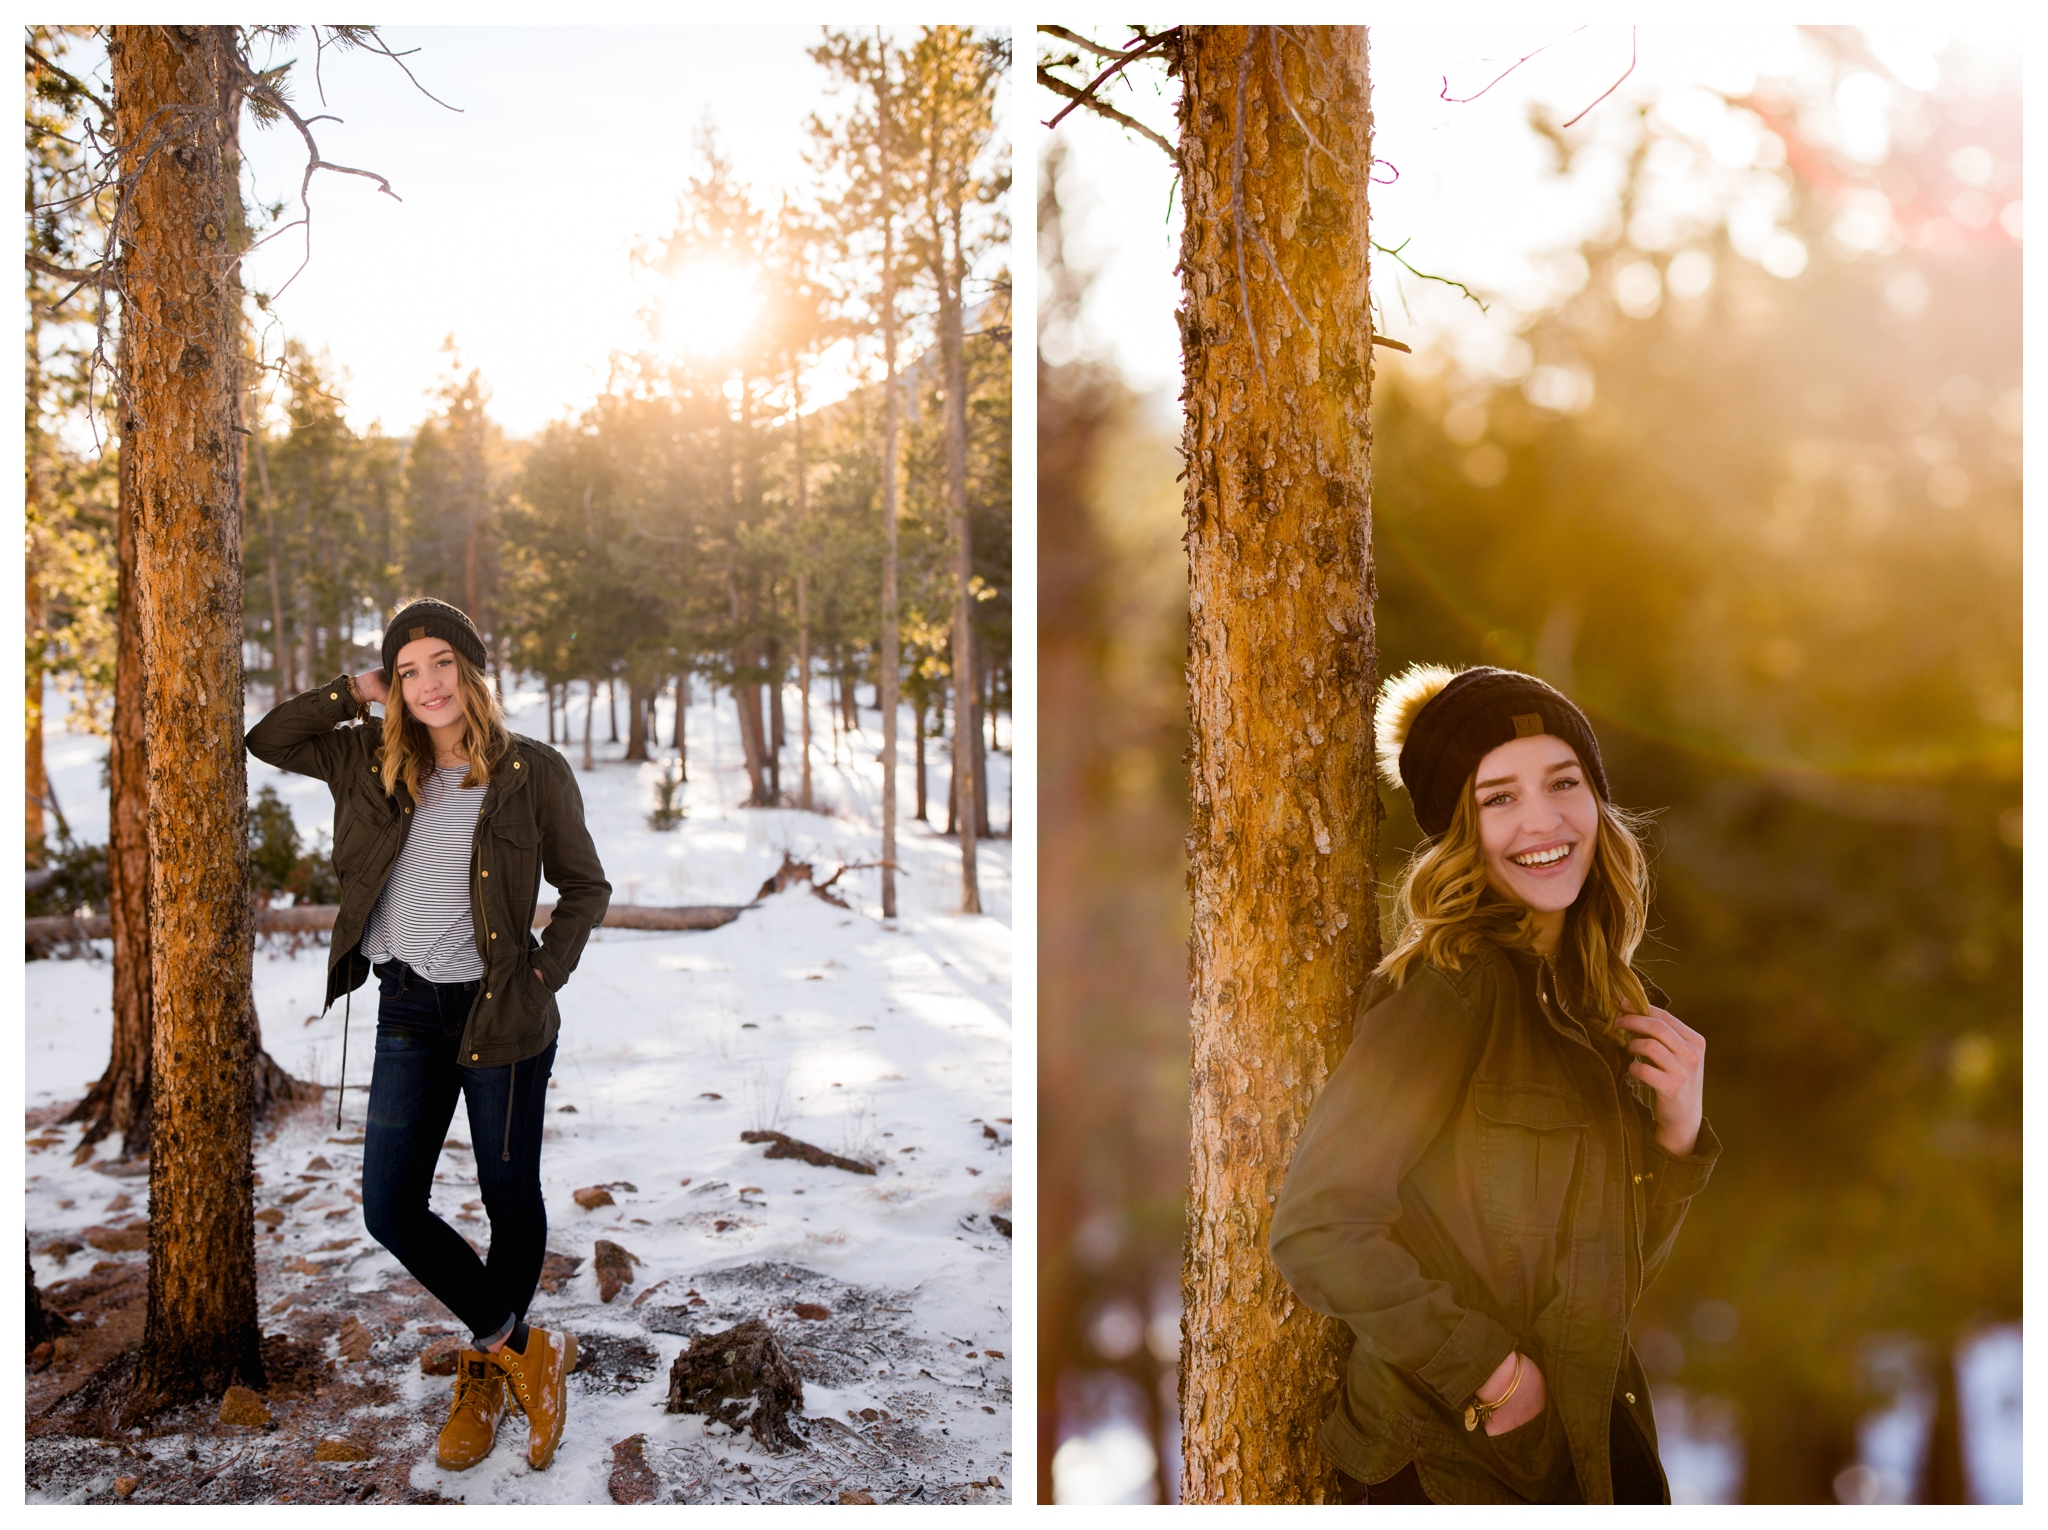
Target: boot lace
[{"x": 474, "y": 1390}]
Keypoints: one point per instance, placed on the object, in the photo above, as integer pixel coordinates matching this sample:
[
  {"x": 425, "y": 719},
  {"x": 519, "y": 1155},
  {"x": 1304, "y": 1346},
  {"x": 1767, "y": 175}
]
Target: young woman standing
[
  {"x": 444, "y": 823},
  {"x": 1501, "y": 1163}
]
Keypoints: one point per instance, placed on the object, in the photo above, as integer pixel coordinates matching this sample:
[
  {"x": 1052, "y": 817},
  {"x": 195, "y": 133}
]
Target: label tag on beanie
[
  {"x": 420, "y": 632},
  {"x": 1527, "y": 724}
]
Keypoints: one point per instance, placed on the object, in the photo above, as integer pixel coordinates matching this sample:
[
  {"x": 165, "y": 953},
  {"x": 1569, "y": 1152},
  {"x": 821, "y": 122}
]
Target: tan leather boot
[
  {"x": 539, "y": 1380},
  {"x": 480, "y": 1402}
]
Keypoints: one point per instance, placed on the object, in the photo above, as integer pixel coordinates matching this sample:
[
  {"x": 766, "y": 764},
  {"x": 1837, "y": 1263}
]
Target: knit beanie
[
  {"x": 432, "y": 619},
  {"x": 1434, "y": 725}
]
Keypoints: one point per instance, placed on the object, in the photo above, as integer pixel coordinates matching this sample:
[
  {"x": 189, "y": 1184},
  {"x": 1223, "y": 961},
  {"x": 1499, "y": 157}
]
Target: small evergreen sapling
[{"x": 668, "y": 808}]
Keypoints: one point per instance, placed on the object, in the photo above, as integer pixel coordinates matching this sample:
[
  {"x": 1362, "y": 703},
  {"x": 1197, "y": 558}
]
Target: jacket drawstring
[
  {"x": 511, "y": 1089},
  {"x": 341, "y": 1090}
]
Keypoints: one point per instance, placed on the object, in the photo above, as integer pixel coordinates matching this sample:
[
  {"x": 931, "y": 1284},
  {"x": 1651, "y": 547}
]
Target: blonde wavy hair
[
  {"x": 1447, "y": 913},
  {"x": 409, "y": 748}
]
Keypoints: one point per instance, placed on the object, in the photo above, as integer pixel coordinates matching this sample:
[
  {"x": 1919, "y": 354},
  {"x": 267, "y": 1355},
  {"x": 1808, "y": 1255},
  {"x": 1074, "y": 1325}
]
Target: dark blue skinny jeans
[{"x": 413, "y": 1089}]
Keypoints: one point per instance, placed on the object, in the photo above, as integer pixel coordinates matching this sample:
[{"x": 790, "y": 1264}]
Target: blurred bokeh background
[{"x": 1733, "y": 456}]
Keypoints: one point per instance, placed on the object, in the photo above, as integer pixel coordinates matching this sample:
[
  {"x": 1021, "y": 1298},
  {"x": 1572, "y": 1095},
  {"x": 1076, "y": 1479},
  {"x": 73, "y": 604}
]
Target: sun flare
[{"x": 709, "y": 307}]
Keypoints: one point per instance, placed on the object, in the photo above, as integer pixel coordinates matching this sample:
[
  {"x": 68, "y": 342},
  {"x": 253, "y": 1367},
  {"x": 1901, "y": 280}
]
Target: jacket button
[
  {"x": 515, "y": 764},
  {"x": 1639, "y": 1180},
  {"x": 485, "y": 873},
  {"x": 494, "y": 934},
  {"x": 474, "y": 1054},
  {"x": 1631, "y": 1398},
  {"x": 472, "y": 1057},
  {"x": 334, "y": 695}
]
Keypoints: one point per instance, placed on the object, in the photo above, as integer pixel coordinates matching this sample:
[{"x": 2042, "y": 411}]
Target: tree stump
[{"x": 741, "y": 1378}]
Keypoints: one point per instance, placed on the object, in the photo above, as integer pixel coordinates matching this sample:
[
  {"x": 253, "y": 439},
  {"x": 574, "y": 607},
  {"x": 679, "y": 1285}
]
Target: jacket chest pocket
[
  {"x": 1530, "y": 1143},
  {"x": 361, "y": 821},
  {"x": 514, "y": 854}
]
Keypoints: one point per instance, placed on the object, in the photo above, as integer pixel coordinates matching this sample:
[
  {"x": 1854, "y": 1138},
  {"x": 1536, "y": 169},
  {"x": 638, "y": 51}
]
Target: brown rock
[
  {"x": 304, "y": 1266},
  {"x": 340, "y": 1450},
  {"x": 632, "y": 1480},
  {"x": 319, "y": 1166},
  {"x": 270, "y": 1216},
  {"x": 557, "y": 1268},
  {"x": 354, "y": 1340},
  {"x": 296, "y": 1196},
  {"x": 242, "y": 1406},
  {"x": 438, "y": 1358},
  {"x": 593, "y": 1197},
  {"x": 119, "y": 1240},
  {"x": 855, "y": 1495},
  {"x": 614, "y": 1268},
  {"x": 61, "y": 1249},
  {"x": 813, "y": 1311},
  {"x": 120, "y": 1202},
  {"x": 126, "y": 1485}
]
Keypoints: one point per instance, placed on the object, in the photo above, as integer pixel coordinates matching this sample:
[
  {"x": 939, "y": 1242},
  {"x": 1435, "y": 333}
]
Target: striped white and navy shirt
[{"x": 422, "y": 918}]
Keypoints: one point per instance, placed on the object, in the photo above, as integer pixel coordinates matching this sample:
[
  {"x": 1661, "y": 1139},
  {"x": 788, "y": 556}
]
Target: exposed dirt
[{"x": 344, "y": 1338}]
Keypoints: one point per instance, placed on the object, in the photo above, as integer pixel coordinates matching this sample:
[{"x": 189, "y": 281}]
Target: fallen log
[
  {"x": 783, "y": 1146},
  {"x": 318, "y": 919}
]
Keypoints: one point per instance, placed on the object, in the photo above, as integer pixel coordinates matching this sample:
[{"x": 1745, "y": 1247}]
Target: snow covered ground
[{"x": 881, "y": 1040}]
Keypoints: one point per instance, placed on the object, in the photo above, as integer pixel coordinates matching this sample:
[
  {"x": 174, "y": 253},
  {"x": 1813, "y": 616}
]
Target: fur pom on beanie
[{"x": 1432, "y": 726}]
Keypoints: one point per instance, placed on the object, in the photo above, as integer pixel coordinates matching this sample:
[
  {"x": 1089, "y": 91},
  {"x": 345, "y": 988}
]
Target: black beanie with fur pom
[{"x": 1434, "y": 725}]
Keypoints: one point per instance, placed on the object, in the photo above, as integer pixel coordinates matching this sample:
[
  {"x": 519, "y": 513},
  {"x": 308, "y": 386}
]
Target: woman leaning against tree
[
  {"x": 444, "y": 824},
  {"x": 1501, "y": 1163}
]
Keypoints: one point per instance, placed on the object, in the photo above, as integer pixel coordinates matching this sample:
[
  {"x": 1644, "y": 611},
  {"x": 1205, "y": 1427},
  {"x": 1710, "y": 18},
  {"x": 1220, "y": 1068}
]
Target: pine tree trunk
[
  {"x": 891, "y": 656},
  {"x": 776, "y": 731},
  {"x": 611, "y": 702},
  {"x": 681, "y": 740},
  {"x": 120, "y": 1101},
  {"x": 589, "y": 713},
  {"x": 38, "y": 782},
  {"x": 966, "y": 732},
  {"x": 638, "y": 699},
  {"x": 1943, "y": 1478},
  {"x": 181, "y": 394},
  {"x": 1284, "y": 813},
  {"x": 1797, "y": 1442},
  {"x": 922, "y": 809},
  {"x": 981, "y": 827},
  {"x": 803, "y": 670}
]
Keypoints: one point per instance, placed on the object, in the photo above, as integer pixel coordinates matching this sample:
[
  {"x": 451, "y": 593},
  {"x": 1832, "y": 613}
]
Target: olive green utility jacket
[
  {"x": 1479, "y": 1176},
  {"x": 531, "y": 822}
]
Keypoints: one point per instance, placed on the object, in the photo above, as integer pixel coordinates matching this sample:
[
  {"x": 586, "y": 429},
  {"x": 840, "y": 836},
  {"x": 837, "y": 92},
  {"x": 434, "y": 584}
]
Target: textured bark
[
  {"x": 181, "y": 395},
  {"x": 1284, "y": 814},
  {"x": 119, "y": 1102}
]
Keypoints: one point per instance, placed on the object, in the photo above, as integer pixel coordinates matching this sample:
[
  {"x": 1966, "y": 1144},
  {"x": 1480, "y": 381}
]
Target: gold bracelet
[{"x": 1479, "y": 1412}]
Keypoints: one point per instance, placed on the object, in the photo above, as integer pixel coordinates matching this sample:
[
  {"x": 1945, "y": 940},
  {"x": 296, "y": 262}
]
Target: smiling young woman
[
  {"x": 1501, "y": 1163},
  {"x": 444, "y": 825}
]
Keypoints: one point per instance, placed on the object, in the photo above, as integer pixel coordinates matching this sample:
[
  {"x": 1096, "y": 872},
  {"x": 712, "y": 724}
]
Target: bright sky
[
  {"x": 520, "y": 213},
  {"x": 1475, "y": 193}
]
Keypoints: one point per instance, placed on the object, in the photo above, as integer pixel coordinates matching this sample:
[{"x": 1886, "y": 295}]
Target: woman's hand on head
[
  {"x": 1671, "y": 1057},
  {"x": 1527, "y": 1402},
  {"x": 372, "y": 684}
]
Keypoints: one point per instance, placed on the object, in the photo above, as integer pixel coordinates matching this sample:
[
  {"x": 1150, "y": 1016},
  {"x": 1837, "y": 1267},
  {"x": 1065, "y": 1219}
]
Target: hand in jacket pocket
[{"x": 1526, "y": 1404}]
